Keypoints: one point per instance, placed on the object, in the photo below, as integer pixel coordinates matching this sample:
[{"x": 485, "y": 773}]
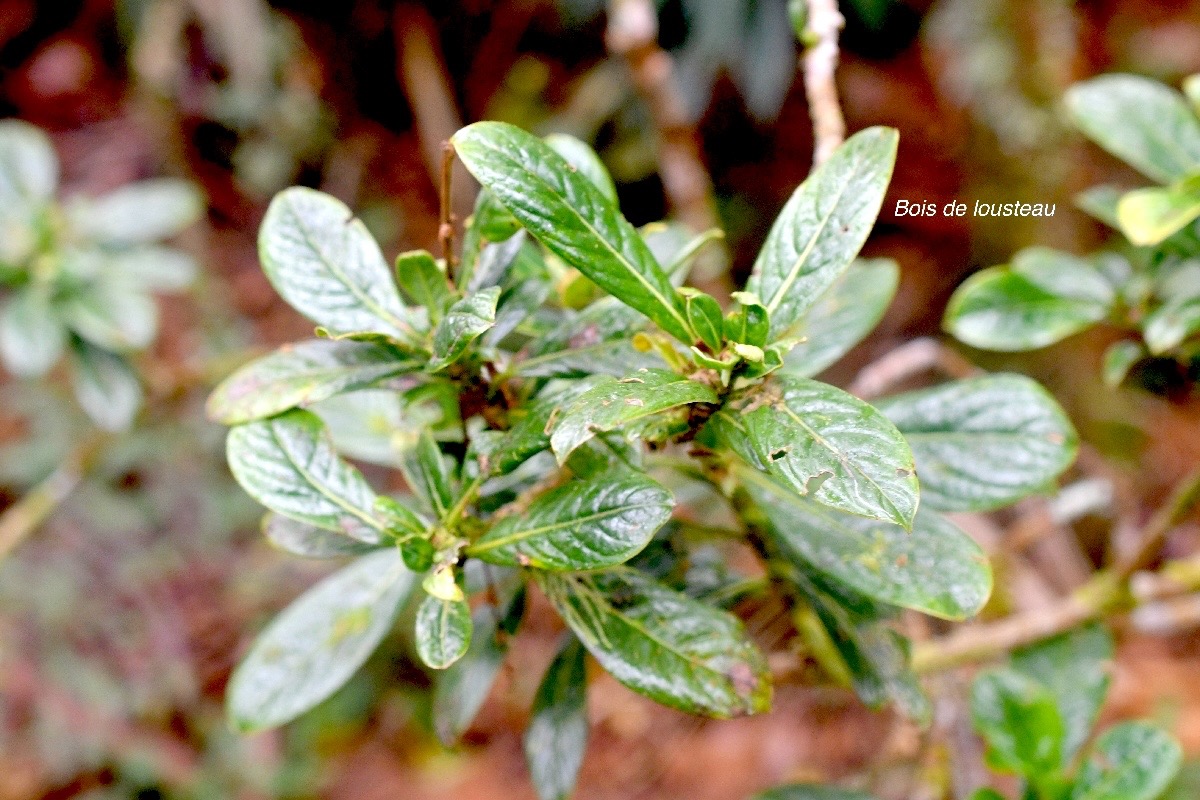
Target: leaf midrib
[
  {"x": 311, "y": 480},
  {"x": 484, "y": 545}
]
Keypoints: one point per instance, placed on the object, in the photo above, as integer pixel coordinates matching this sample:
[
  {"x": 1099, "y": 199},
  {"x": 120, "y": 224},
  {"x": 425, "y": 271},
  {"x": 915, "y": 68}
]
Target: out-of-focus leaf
[
  {"x": 1119, "y": 358},
  {"x": 556, "y": 738},
  {"x": 1167, "y": 326},
  {"x": 660, "y": 643},
  {"x": 811, "y": 791},
  {"x": 983, "y": 443},
  {"x": 611, "y": 403},
  {"x": 318, "y": 642},
  {"x": 1020, "y": 722},
  {"x": 298, "y": 375},
  {"x": 152, "y": 268},
  {"x": 1148, "y": 216},
  {"x": 1140, "y": 121},
  {"x": 112, "y": 316},
  {"x": 460, "y": 689},
  {"x": 309, "y": 541},
  {"x": 843, "y": 317},
  {"x": 571, "y": 217},
  {"x": 822, "y": 227},
  {"x": 106, "y": 386},
  {"x": 288, "y": 464},
  {"x": 935, "y": 568},
  {"x": 138, "y": 213},
  {"x": 443, "y": 631},
  {"x": 32, "y": 337},
  {"x": 28, "y": 165},
  {"x": 581, "y": 525},
  {"x": 826, "y": 444},
  {"x": 1132, "y": 761},
  {"x": 1074, "y": 666},
  {"x": 324, "y": 263}
]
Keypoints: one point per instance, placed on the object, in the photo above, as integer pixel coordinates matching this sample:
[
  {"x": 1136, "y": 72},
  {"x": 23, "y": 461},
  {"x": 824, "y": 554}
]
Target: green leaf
[
  {"x": 153, "y": 268},
  {"x": 1019, "y": 720},
  {"x": 843, "y": 317},
  {"x": 32, "y": 337},
  {"x": 1131, "y": 761},
  {"x": 663, "y": 644},
  {"x": 443, "y": 631},
  {"x": 1119, "y": 358},
  {"x": 556, "y": 738},
  {"x": 823, "y": 226},
  {"x": 1148, "y": 216},
  {"x": 429, "y": 474},
  {"x": 581, "y": 525},
  {"x": 611, "y": 403},
  {"x": 324, "y": 263},
  {"x": 936, "y": 568},
  {"x": 570, "y": 216},
  {"x": 112, "y": 316},
  {"x": 424, "y": 281},
  {"x": 460, "y": 690},
  {"x": 983, "y": 443},
  {"x": 999, "y": 309},
  {"x": 318, "y": 642},
  {"x": 466, "y": 321},
  {"x": 28, "y": 165},
  {"x": 308, "y": 541},
  {"x": 1167, "y": 326},
  {"x": 1101, "y": 203},
  {"x": 288, "y": 464},
  {"x": 748, "y": 323},
  {"x": 822, "y": 442},
  {"x": 106, "y": 386},
  {"x": 1140, "y": 121},
  {"x": 811, "y": 791},
  {"x": 527, "y": 436},
  {"x": 987, "y": 794},
  {"x": 298, "y": 375},
  {"x": 1074, "y": 666},
  {"x": 704, "y": 315},
  {"x": 138, "y": 213},
  {"x": 584, "y": 160}
]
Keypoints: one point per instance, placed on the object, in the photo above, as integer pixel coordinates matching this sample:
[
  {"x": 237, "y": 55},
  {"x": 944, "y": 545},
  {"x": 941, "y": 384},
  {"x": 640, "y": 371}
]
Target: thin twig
[
  {"x": 446, "y": 218},
  {"x": 820, "y": 62},
  {"x": 25, "y": 516},
  {"x": 1108, "y": 591}
]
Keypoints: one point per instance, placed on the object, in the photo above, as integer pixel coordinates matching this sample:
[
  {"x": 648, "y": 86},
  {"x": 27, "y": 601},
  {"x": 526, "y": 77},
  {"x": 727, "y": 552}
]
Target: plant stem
[
  {"x": 23, "y": 517},
  {"x": 820, "y": 62},
  {"x": 1107, "y": 592}
]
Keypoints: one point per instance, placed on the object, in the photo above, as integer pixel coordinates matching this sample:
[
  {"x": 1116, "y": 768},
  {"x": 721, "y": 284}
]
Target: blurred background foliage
[{"x": 121, "y": 618}]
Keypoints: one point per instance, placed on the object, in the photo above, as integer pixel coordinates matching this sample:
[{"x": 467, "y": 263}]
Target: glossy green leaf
[
  {"x": 32, "y": 337},
  {"x": 138, "y": 213},
  {"x": 106, "y": 386},
  {"x": 442, "y": 631},
  {"x": 288, "y": 464},
  {"x": 399, "y": 518},
  {"x": 1132, "y": 761},
  {"x": 1140, "y": 121},
  {"x": 1167, "y": 326},
  {"x": 823, "y": 226},
  {"x": 1148, "y": 216},
  {"x": 309, "y": 541},
  {"x": 749, "y": 322},
  {"x": 429, "y": 474},
  {"x": 704, "y": 315},
  {"x": 843, "y": 317},
  {"x": 460, "y": 690},
  {"x": 28, "y": 165},
  {"x": 310, "y": 650},
  {"x": 580, "y": 525},
  {"x": 999, "y": 309},
  {"x": 811, "y": 791},
  {"x": 466, "y": 321},
  {"x": 1119, "y": 359},
  {"x": 935, "y": 568},
  {"x": 324, "y": 263},
  {"x": 1020, "y": 723},
  {"x": 424, "y": 281},
  {"x": 528, "y": 435},
  {"x": 556, "y": 738},
  {"x": 822, "y": 442},
  {"x": 585, "y": 161},
  {"x": 1074, "y": 666},
  {"x": 983, "y": 443},
  {"x": 298, "y": 375},
  {"x": 660, "y": 643},
  {"x": 612, "y": 402},
  {"x": 570, "y": 216}
]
